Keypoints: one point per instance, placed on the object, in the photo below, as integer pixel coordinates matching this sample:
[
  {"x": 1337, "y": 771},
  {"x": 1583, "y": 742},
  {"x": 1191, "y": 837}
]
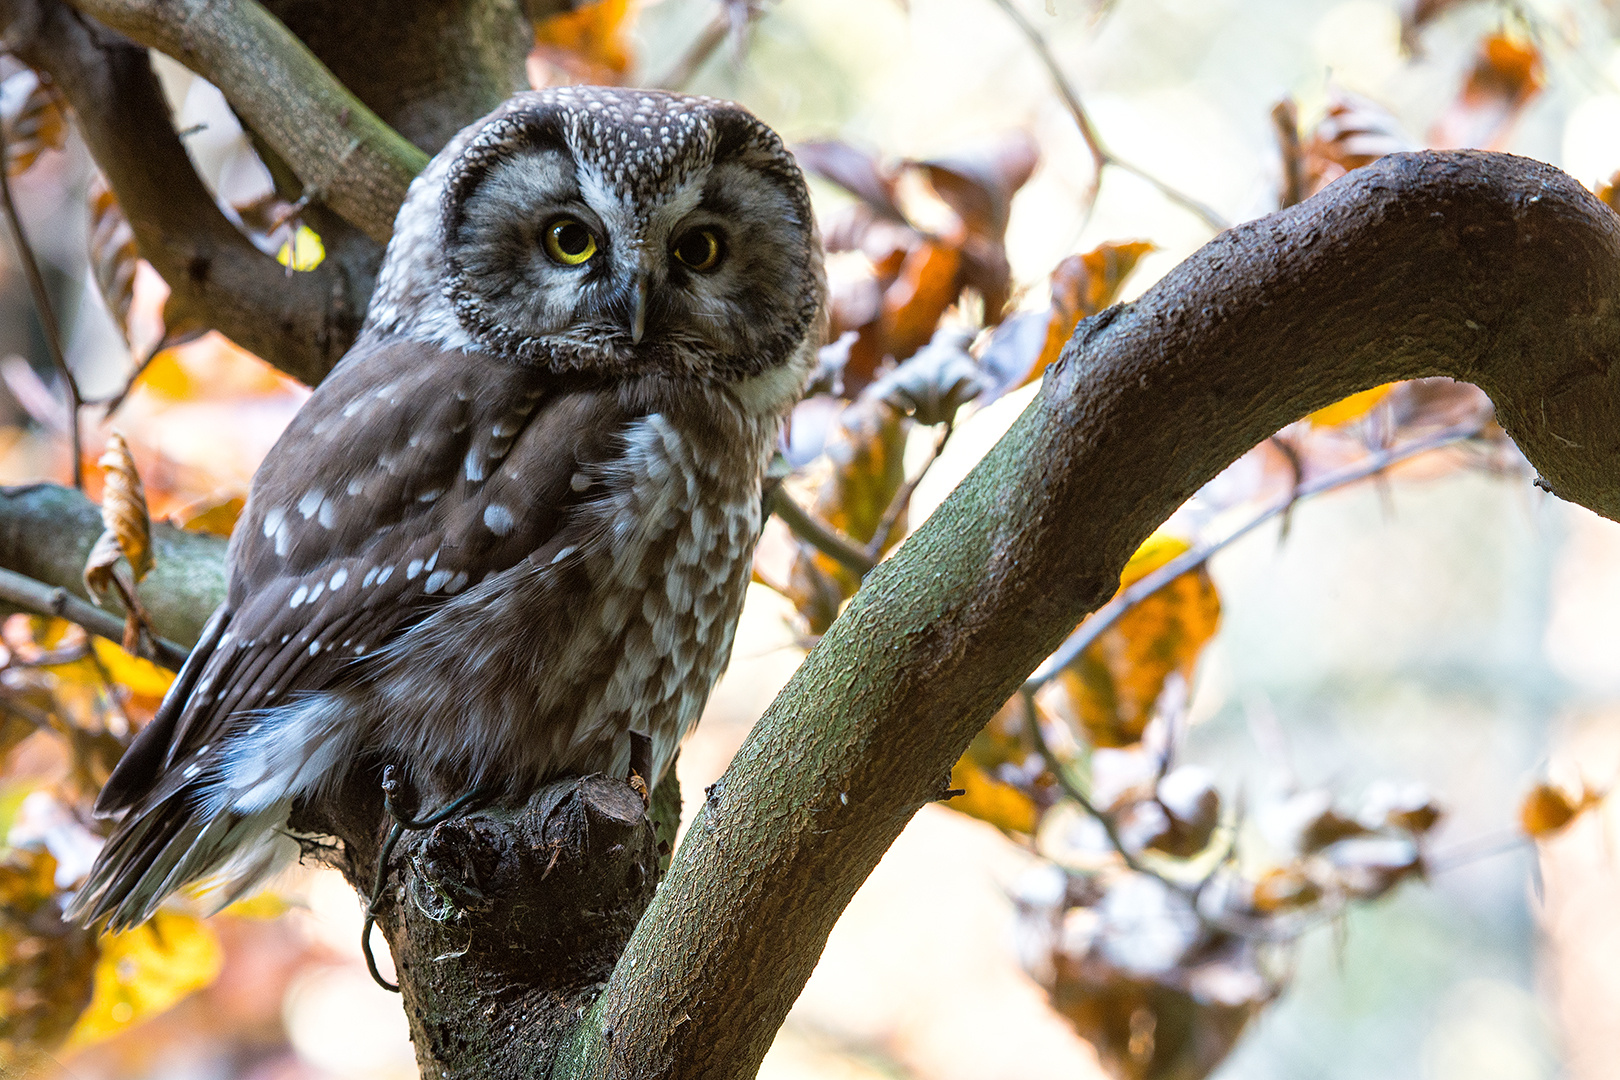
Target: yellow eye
[
  {"x": 568, "y": 242},
  {"x": 699, "y": 249}
]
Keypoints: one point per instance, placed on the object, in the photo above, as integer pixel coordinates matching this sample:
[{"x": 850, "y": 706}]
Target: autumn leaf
[
  {"x": 127, "y": 534},
  {"x": 928, "y": 283},
  {"x": 145, "y": 970},
  {"x": 1354, "y": 131},
  {"x": 33, "y": 117},
  {"x": 1351, "y": 408},
  {"x": 1083, "y": 285},
  {"x": 978, "y": 183},
  {"x": 589, "y": 44},
  {"x": 114, "y": 259},
  {"x": 215, "y": 516},
  {"x": 46, "y": 965},
  {"x": 1547, "y": 809},
  {"x": 999, "y": 755},
  {"x": 142, "y": 677},
  {"x": 1507, "y": 73},
  {"x": 1284, "y": 888},
  {"x": 1115, "y": 683},
  {"x": 857, "y": 171}
]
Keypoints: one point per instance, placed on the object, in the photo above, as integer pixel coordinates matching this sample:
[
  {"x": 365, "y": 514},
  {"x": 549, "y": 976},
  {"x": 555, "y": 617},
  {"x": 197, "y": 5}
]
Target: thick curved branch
[
  {"x": 1489, "y": 268},
  {"x": 344, "y": 154},
  {"x": 300, "y": 323}
]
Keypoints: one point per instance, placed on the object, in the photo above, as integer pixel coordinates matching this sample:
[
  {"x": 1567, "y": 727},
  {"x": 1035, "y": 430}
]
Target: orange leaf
[
  {"x": 1114, "y": 685},
  {"x": 912, "y": 306},
  {"x": 1083, "y": 285},
  {"x": 1548, "y": 808},
  {"x": 33, "y": 119},
  {"x": 46, "y": 965},
  {"x": 589, "y": 44},
  {"x": 1506, "y": 75}
]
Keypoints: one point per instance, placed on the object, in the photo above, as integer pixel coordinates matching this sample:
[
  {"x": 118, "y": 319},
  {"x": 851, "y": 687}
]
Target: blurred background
[{"x": 1442, "y": 637}]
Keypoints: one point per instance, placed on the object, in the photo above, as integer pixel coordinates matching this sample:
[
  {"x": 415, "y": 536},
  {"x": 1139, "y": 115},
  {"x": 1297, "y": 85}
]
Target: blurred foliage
[{"x": 1162, "y": 914}]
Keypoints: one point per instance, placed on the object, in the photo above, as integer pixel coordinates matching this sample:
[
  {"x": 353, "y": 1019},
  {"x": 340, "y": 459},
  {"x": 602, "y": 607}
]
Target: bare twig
[
  {"x": 902, "y": 500},
  {"x": 1285, "y": 117},
  {"x": 821, "y": 536},
  {"x": 1101, "y": 156},
  {"x": 697, "y": 54},
  {"x": 42, "y": 306},
  {"x": 42, "y": 599},
  {"x": 1145, "y": 586}
]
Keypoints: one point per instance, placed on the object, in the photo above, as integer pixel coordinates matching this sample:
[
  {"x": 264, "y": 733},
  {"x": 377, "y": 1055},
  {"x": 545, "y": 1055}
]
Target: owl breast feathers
[{"x": 514, "y": 525}]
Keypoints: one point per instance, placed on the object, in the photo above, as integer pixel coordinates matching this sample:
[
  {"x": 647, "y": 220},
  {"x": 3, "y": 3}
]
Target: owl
[{"x": 510, "y": 533}]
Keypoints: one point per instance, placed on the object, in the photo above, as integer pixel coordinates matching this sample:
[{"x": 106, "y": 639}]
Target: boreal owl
[{"x": 513, "y": 526}]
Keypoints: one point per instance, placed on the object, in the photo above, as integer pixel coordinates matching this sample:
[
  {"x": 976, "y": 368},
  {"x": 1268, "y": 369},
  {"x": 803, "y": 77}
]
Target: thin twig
[
  {"x": 1032, "y": 722},
  {"x": 819, "y": 535},
  {"x": 42, "y": 599},
  {"x": 698, "y": 54},
  {"x": 902, "y": 499},
  {"x": 1101, "y": 156},
  {"x": 42, "y": 305},
  {"x": 1145, "y": 586}
]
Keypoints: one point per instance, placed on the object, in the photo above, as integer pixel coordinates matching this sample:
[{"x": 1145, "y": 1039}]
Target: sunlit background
[{"x": 1448, "y": 627}]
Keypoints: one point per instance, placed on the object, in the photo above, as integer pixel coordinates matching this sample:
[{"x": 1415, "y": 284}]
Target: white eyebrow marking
[{"x": 498, "y": 519}]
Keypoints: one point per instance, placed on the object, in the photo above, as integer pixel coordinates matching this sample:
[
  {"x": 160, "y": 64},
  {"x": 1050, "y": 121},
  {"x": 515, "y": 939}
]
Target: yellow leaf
[
  {"x": 141, "y": 676},
  {"x": 1351, "y": 408},
  {"x": 45, "y": 964},
  {"x": 1548, "y": 808},
  {"x": 1003, "y": 742},
  {"x": 146, "y": 970},
  {"x": 215, "y": 516},
  {"x": 264, "y": 905},
  {"x": 1114, "y": 685},
  {"x": 303, "y": 251}
]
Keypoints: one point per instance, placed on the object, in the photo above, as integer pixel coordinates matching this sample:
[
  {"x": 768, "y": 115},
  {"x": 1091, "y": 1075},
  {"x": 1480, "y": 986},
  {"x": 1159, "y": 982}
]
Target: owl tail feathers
[{"x": 168, "y": 847}]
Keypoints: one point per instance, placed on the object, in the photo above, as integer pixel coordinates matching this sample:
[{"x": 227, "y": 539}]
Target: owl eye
[
  {"x": 570, "y": 243},
  {"x": 699, "y": 249}
]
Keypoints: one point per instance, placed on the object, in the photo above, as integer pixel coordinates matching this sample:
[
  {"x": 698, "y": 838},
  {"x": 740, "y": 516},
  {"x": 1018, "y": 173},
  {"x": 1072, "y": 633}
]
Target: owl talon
[
  {"x": 402, "y": 823},
  {"x": 640, "y": 766}
]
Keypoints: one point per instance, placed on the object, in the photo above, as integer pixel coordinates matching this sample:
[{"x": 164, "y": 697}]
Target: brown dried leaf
[
  {"x": 1284, "y": 888},
  {"x": 1114, "y": 685},
  {"x": 1083, "y": 285},
  {"x": 979, "y": 181},
  {"x": 46, "y": 965},
  {"x": 1548, "y": 809},
  {"x": 590, "y": 44},
  {"x": 857, "y": 171},
  {"x": 123, "y": 505},
  {"x": 1506, "y": 75},
  {"x": 113, "y": 255},
  {"x": 33, "y": 118},
  {"x": 1355, "y": 131}
]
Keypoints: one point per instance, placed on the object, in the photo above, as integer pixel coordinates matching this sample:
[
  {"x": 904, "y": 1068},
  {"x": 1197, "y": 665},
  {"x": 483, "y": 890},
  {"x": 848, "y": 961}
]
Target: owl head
[{"x": 610, "y": 231}]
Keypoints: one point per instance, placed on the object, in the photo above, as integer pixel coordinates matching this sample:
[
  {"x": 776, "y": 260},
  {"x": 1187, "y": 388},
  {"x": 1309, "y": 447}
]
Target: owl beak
[{"x": 638, "y": 313}]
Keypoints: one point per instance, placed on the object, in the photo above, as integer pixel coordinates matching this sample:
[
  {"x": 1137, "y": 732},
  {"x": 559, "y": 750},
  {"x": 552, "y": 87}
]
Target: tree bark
[{"x": 1483, "y": 267}]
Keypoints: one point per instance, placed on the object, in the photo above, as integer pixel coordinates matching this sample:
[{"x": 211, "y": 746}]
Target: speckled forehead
[{"x": 641, "y": 145}]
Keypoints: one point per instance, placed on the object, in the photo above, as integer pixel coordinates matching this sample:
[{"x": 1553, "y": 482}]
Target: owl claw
[
  {"x": 402, "y": 823},
  {"x": 640, "y": 767}
]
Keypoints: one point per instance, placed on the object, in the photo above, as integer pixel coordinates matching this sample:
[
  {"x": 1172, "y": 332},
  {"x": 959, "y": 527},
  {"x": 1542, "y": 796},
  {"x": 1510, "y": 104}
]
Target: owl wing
[{"x": 409, "y": 475}]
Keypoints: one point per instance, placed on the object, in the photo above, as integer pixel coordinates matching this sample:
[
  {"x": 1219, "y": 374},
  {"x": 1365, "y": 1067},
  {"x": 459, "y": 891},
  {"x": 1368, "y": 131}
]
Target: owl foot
[
  {"x": 640, "y": 766},
  {"x": 402, "y": 822}
]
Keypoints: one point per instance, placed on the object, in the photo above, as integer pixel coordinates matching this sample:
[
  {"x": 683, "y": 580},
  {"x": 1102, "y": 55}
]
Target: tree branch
[
  {"x": 340, "y": 149},
  {"x": 1488, "y": 268},
  {"x": 303, "y": 323}
]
